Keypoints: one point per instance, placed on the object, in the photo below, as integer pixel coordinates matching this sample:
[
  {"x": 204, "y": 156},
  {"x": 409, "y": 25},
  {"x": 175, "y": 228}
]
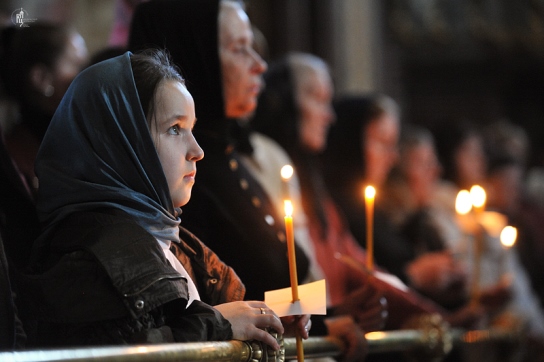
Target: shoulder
[{"x": 265, "y": 144}]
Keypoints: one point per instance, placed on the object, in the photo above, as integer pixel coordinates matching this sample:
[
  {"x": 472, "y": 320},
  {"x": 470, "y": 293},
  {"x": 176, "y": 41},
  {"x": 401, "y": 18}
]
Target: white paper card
[{"x": 313, "y": 300}]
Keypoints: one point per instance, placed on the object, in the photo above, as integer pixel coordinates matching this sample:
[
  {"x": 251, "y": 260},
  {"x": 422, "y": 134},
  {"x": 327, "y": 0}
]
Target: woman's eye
[
  {"x": 174, "y": 130},
  {"x": 241, "y": 49}
]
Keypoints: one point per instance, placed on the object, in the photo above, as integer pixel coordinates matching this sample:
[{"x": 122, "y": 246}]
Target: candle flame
[
  {"x": 463, "y": 202},
  {"x": 370, "y": 192},
  {"x": 477, "y": 194},
  {"x": 287, "y": 172},
  {"x": 288, "y": 206},
  {"x": 508, "y": 236}
]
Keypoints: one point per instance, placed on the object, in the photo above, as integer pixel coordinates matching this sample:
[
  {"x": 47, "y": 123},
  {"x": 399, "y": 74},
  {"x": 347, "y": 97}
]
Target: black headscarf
[
  {"x": 344, "y": 145},
  {"x": 188, "y": 30},
  {"x": 345, "y": 176},
  {"x": 450, "y": 135},
  {"x": 98, "y": 153},
  {"x": 222, "y": 210},
  {"x": 278, "y": 117}
]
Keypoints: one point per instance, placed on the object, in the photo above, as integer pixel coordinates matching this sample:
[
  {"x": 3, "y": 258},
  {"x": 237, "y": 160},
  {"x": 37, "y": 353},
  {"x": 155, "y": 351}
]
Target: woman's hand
[
  {"x": 345, "y": 329},
  {"x": 495, "y": 297},
  {"x": 293, "y": 324},
  {"x": 249, "y": 319},
  {"x": 367, "y": 306},
  {"x": 434, "y": 272}
]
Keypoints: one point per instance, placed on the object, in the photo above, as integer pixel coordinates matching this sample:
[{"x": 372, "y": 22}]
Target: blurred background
[{"x": 442, "y": 60}]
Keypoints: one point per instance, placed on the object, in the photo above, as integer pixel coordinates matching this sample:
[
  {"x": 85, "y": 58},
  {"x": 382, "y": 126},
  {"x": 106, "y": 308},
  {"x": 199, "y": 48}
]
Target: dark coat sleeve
[
  {"x": 115, "y": 286},
  {"x": 199, "y": 322}
]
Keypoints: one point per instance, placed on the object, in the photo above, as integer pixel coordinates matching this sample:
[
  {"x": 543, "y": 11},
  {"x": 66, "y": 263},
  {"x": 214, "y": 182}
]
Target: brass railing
[{"x": 432, "y": 342}]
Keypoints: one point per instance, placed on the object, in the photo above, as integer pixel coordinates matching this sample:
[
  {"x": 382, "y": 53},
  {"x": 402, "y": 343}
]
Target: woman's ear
[{"x": 41, "y": 79}]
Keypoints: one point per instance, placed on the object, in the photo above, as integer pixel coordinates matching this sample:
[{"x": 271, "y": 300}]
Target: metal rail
[{"x": 240, "y": 351}]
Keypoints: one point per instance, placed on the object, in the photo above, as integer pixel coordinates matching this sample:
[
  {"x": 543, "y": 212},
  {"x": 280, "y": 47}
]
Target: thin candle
[
  {"x": 286, "y": 173},
  {"x": 292, "y": 267},
  {"x": 508, "y": 237},
  {"x": 370, "y": 194},
  {"x": 291, "y": 248},
  {"x": 478, "y": 197},
  {"x": 463, "y": 203}
]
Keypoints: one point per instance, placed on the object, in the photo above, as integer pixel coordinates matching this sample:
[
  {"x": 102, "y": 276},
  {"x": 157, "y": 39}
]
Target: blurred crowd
[{"x": 428, "y": 255}]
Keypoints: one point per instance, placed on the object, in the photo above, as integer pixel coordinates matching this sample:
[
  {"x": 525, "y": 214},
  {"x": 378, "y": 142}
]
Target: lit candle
[
  {"x": 291, "y": 248},
  {"x": 508, "y": 238},
  {"x": 370, "y": 194},
  {"x": 286, "y": 174},
  {"x": 478, "y": 197},
  {"x": 463, "y": 203},
  {"x": 292, "y": 266}
]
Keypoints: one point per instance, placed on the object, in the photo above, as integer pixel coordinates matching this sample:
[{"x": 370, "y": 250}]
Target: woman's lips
[{"x": 190, "y": 175}]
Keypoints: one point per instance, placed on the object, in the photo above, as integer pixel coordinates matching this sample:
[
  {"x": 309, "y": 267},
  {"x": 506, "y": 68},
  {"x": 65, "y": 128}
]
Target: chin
[{"x": 182, "y": 200}]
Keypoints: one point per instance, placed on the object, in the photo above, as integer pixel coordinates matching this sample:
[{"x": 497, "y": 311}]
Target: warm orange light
[
  {"x": 508, "y": 236},
  {"x": 370, "y": 192},
  {"x": 288, "y": 207},
  {"x": 477, "y": 195},
  {"x": 287, "y": 172},
  {"x": 463, "y": 202}
]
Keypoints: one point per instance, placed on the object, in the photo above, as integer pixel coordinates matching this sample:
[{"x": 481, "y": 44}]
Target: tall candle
[
  {"x": 286, "y": 173},
  {"x": 292, "y": 267},
  {"x": 463, "y": 203},
  {"x": 508, "y": 238},
  {"x": 370, "y": 194},
  {"x": 478, "y": 197},
  {"x": 291, "y": 248}
]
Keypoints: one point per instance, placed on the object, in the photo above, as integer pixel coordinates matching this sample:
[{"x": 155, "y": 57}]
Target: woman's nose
[
  {"x": 196, "y": 153},
  {"x": 260, "y": 66}
]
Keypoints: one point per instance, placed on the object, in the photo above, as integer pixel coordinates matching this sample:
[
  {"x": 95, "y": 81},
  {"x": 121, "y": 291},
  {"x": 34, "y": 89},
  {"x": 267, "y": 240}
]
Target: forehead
[
  {"x": 233, "y": 23},
  {"x": 386, "y": 124},
  {"x": 316, "y": 79},
  {"x": 173, "y": 96}
]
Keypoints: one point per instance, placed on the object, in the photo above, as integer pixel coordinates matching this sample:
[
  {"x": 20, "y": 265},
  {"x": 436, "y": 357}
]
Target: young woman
[{"x": 113, "y": 265}]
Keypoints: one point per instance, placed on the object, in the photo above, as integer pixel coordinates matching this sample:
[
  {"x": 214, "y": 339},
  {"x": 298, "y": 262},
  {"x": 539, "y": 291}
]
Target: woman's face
[
  {"x": 241, "y": 66},
  {"x": 380, "y": 153},
  {"x": 314, "y": 98},
  {"x": 470, "y": 162},
  {"x": 68, "y": 65},
  {"x": 422, "y": 170},
  {"x": 172, "y": 132}
]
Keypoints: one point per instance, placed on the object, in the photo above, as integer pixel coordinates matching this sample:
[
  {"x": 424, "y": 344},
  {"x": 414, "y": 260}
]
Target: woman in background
[{"x": 38, "y": 64}]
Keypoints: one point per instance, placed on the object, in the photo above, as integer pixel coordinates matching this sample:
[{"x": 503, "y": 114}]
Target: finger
[
  {"x": 270, "y": 321},
  {"x": 304, "y": 323},
  {"x": 307, "y": 328},
  {"x": 263, "y": 309},
  {"x": 265, "y": 337}
]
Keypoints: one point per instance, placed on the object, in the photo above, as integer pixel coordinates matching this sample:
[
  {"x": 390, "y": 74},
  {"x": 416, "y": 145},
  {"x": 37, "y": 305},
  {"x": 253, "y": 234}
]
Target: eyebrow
[{"x": 179, "y": 117}]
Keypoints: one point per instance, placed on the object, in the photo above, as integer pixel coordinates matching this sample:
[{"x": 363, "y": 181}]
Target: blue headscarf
[{"x": 98, "y": 153}]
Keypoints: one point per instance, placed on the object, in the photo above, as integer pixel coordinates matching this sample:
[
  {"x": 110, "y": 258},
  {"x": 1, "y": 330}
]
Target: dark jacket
[
  {"x": 229, "y": 210},
  {"x": 12, "y": 335},
  {"x": 233, "y": 215},
  {"x": 84, "y": 293}
]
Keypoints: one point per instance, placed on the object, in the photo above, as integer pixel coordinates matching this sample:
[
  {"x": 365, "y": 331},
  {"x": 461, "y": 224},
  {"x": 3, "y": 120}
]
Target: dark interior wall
[
  {"x": 482, "y": 61},
  {"x": 294, "y": 25}
]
